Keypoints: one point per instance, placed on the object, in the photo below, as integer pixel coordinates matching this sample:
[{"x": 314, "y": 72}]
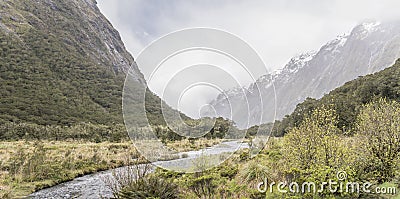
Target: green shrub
[{"x": 150, "y": 186}]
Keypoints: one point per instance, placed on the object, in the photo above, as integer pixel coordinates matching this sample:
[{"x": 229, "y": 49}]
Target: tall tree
[{"x": 378, "y": 128}]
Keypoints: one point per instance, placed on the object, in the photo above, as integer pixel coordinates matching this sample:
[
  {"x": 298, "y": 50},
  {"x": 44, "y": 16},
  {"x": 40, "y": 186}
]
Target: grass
[
  {"x": 29, "y": 166},
  {"x": 193, "y": 145}
]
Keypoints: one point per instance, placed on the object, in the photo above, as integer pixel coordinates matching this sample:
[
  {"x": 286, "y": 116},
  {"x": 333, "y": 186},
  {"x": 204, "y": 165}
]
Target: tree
[
  {"x": 315, "y": 142},
  {"x": 314, "y": 151},
  {"x": 378, "y": 128}
]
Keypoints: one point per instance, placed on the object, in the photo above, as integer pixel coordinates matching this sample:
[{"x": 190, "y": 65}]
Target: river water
[{"x": 92, "y": 186}]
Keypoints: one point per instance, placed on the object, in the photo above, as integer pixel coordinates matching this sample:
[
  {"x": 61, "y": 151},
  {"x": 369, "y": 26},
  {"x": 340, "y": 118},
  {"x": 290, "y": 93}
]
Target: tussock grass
[{"x": 29, "y": 166}]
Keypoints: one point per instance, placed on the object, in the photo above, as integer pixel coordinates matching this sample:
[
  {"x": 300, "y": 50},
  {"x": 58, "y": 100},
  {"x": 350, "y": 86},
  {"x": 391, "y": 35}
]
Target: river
[{"x": 92, "y": 186}]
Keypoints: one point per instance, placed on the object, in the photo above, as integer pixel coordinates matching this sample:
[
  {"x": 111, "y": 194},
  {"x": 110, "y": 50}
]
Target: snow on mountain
[{"x": 368, "y": 48}]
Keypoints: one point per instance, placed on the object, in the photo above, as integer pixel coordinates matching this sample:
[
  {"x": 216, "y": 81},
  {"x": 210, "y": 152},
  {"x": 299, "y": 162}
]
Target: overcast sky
[{"x": 276, "y": 29}]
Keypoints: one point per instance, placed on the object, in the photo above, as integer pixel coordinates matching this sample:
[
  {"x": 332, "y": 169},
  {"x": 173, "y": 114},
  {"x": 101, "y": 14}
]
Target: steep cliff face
[
  {"x": 78, "y": 24},
  {"x": 62, "y": 62},
  {"x": 370, "y": 47}
]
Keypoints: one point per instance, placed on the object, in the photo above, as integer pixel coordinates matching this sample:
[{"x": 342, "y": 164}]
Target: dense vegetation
[
  {"x": 58, "y": 83},
  {"x": 58, "y": 79},
  {"x": 316, "y": 151},
  {"x": 26, "y": 166},
  {"x": 78, "y": 132},
  {"x": 355, "y": 130},
  {"x": 348, "y": 99},
  {"x": 47, "y": 76},
  {"x": 62, "y": 71}
]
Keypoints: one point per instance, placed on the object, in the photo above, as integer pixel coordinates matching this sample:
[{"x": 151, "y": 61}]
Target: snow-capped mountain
[{"x": 370, "y": 47}]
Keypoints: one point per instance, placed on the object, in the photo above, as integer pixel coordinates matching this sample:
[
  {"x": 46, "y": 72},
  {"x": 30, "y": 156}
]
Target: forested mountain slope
[
  {"x": 348, "y": 99},
  {"x": 61, "y": 62}
]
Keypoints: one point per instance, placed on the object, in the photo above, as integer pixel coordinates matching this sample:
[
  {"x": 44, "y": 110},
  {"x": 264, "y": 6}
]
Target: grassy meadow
[{"x": 27, "y": 166}]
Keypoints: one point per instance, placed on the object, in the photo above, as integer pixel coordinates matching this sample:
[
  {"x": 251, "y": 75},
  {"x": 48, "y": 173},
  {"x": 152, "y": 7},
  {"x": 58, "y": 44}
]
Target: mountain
[
  {"x": 370, "y": 47},
  {"x": 347, "y": 100},
  {"x": 62, "y": 62}
]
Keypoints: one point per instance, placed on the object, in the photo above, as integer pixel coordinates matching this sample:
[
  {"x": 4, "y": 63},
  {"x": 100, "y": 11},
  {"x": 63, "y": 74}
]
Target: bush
[
  {"x": 136, "y": 182},
  {"x": 150, "y": 186},
  {"x": 185, "y": 155},
  {"x": 82, "y": 131},
  {"x": 378, "y": 129}
]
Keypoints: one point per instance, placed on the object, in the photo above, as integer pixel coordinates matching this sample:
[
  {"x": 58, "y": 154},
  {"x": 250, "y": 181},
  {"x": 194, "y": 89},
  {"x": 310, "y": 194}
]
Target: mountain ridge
[
  {"x": 63, "y": 63},
  {"x": 368, "y": 48},
  {"x": 347, "y": 100}
]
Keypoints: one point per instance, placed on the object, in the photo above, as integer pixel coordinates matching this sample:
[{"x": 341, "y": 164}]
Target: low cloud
[{"x": 277, "y": 30}]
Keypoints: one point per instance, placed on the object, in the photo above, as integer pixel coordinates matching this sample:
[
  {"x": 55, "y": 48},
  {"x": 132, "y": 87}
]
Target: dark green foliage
[
  {"x": 348, "y": 99},
  {"x": 81, "y": 131},
  {"x": 263, "y": 129},
  {"x": 165, "y": 134},
  {"x": 150, "y": 186},
  {"x": 219, "y": 130},
  {"x": 58, "y": 70},
  {"x": 294, "y": 119},
  {"x": 204, "y": 186},
  {"x": 228, "y": 171},
  {"x": 218, "y": 182},
  {"x": 45, "y": 75}
]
